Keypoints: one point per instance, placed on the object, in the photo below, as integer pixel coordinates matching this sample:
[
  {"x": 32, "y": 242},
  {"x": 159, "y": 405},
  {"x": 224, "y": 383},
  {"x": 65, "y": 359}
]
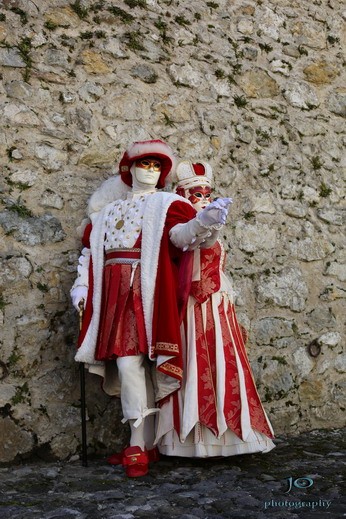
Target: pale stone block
[
  {"x": 285, "y": 289},
  {"x": 20, "y": 115},
  {"x": 338, "y": 270},
  {"x": 301, "y": 95},
  {"x": 51, "y": 158},
  {"x": 11, "y": 57},
  {"x": 303, "y": 362},
  {"x": 330, "y": 339},
  {"x": 252, "y": 238},
  {"x": 269, "y": 329}
]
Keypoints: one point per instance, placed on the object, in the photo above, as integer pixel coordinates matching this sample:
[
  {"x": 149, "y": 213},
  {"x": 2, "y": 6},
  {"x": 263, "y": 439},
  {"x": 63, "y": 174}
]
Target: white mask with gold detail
[{"x": 145, "y": 174}]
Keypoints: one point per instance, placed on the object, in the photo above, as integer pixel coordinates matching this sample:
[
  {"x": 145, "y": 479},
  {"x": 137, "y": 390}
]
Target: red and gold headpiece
[{"x": 194, "y": 174}]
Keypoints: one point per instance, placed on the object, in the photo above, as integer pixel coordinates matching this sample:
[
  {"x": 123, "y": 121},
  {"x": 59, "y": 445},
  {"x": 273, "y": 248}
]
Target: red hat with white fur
[{"x": 139, "y": 150}]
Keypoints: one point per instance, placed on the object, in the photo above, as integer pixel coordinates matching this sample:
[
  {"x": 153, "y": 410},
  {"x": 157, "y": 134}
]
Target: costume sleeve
[
  {"x": 179, "y": 212},
  {"x": 82, "y": 279},
  {"x": 211, "y": 239},
  {"x": 185, "y": 231}
]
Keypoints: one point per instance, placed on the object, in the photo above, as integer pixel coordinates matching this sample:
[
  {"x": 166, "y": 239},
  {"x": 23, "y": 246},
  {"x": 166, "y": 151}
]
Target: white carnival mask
[{"x": 147, "y": 171}]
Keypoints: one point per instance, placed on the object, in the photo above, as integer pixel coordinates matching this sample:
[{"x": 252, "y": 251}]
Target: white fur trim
[
  {"x": 81, "y": 228},
  {"x": 110, "y": 190},
  {"x": 86, "y": 352},
  {"x": 148, "y": 147},
  {"x": 153, "y": 223}
]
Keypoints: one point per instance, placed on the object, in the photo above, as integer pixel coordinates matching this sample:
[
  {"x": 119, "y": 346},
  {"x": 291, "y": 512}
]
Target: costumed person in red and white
[
  {"x": 127, "y": 275},
  {"x": 217, "y": 411}
]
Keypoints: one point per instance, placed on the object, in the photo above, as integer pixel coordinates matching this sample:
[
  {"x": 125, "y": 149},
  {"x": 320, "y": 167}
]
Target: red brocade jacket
[{"x": 159, "y": 276}]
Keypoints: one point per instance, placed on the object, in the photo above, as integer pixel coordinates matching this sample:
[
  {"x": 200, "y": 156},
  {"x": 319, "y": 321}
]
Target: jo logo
[{"x": 304, "y": 482}]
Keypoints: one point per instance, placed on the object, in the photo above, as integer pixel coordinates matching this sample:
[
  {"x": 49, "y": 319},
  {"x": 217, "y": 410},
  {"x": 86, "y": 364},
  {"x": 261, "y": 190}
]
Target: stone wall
[{"x": 255, "y": 88}]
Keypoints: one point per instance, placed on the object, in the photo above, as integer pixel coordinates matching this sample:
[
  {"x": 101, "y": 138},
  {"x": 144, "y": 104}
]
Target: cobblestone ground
[{"x": 249, "y": 486}]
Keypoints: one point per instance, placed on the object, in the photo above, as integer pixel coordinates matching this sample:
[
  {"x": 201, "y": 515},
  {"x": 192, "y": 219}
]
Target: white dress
[{"x": 217, "y": 411}]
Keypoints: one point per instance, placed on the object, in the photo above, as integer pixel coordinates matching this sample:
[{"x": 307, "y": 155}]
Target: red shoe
[
  {"x": 154, "y": 455},
  {"x": 136, "y": 462},
  {"x": 117, "y": 458}
]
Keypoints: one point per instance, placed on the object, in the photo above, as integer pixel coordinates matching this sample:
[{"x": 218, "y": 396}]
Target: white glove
[
  {"x": 215, "y": 214},
  {"x": 77, "y": 294},
  {"x": 189, "y": 235}
]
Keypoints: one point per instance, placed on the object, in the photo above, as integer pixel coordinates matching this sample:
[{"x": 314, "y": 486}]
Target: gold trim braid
[
  {"x": 166, "y": 346},
  {"x": 170, "y": 368},
  {"x": 122, "y": 249}
]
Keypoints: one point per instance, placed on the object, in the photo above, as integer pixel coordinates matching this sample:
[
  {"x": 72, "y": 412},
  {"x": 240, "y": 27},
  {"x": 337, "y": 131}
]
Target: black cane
[
  {"x": 83, "y": 415},
  {"x": 82, "y": 395}
]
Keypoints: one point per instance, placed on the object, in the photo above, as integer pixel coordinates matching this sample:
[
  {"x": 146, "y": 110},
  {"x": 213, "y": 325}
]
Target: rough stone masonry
[{"x": 254, "y": 87}]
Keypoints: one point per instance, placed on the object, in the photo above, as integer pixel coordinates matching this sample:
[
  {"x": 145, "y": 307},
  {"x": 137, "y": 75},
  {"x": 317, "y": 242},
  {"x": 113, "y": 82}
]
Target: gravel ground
[{"x": 252, "y": 486}]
